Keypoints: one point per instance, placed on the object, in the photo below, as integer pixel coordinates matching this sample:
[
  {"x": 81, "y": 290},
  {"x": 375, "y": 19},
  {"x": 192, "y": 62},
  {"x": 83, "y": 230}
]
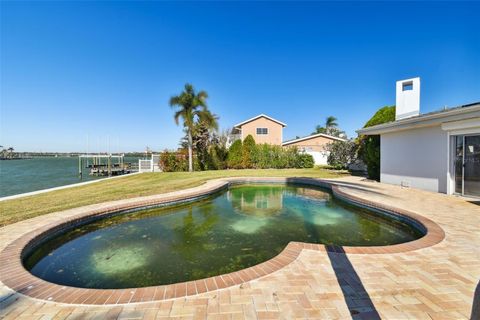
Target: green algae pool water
[{"x": 228, "y": 231}]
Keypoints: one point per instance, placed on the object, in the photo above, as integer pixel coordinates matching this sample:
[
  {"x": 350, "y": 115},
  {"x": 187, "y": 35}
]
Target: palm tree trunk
[{"x": 190, "y": 153}]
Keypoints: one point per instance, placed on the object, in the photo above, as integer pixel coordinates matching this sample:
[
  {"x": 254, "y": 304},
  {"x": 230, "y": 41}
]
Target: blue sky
[{"x": 105, "y": 70}]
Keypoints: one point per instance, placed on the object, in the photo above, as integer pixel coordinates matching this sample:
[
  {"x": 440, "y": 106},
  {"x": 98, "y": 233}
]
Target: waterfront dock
[{"x": 104, "y": 165}]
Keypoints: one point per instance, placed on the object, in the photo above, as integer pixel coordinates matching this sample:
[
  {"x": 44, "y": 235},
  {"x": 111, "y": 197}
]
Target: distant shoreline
[
  {"x": 16, "y": 158},
  {"x": 30, "y": 155}
]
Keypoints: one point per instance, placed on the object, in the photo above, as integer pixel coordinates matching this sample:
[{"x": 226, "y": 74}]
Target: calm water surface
[
  {"x": 229, "y": 231},
  {"x": 20, "y": 176}
]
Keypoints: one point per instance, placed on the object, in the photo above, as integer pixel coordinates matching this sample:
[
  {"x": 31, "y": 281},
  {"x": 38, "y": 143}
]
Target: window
[
  {"x": 261, "y": 204},
  {"x": 406, "y": 86},
  {"x": 262, "y": 130}
]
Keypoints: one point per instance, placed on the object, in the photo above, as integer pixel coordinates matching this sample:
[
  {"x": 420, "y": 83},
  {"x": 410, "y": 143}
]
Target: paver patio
[{"x": 436, "y": 282}]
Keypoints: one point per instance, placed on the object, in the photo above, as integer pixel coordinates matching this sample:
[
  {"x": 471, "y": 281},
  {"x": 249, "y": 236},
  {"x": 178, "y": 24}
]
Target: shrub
[
  {"x": 173, "y": 161},
  {"x": 265, "y": 156},
  {"x": 369, "y": 146},
  {"x": 305, "y": 160},
  {"x": 261, "y": 158},
  {"x": 268, "y": 156},
  {"x": 240, "y": 155},
  {"x": 218, "y": 156},
  {"x": 167, "y": 161},
  {"x": 370, "y": 151},
  {"x": 234, "y": 158},
  {"x": 341, "y": 153},
  {"x": 248, "y": 152}
]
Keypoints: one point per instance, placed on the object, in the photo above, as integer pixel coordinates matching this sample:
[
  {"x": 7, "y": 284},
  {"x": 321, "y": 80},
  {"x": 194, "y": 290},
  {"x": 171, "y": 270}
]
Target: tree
[
  {"x": 330, "y": 128},
  {"x": 203, "y": 141},
  {"x": 369, "y": 146},
  {"x": 248, "y": 152},
  {"x": 209, "y": 148},
  {"x": 191, "y": 106},
  {"x": 218, "y": 150},
  {"x": 234, "y": 158},
  {"x": 341, "y": 153},
  {"x": 221, "y": 138},
  {"x": 331, "y": 122}
]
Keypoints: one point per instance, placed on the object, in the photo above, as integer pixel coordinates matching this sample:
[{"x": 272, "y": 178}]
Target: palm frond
[
  {"x": 177, "y": 116},
  {"x": 175, "y": 101},
  {"x": 202, "y": 95},
  {"x": 209, "y": 119},
  {"x": 331, "y": 122}
]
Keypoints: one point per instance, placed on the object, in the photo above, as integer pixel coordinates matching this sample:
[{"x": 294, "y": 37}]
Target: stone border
[{"x": 15, "y": 276}]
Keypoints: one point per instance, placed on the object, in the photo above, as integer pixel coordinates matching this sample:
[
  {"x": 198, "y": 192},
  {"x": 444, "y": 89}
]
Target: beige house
[
  {"x": 263, "y": 129},
  {"x": 314, "y": 142},
  {"x": 315, "y": 145}
]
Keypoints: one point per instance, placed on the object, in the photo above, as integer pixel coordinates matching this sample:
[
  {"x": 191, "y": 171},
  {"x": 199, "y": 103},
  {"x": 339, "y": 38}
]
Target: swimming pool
[{"x": 224, "y": 232}]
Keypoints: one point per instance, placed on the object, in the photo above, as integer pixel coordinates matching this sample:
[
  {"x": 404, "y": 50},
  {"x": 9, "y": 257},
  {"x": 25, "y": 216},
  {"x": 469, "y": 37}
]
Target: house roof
[
  {"x": 311, "y": 137},
  {"x": 259, "y": 116},
  {"x": 462, "y": 112}
]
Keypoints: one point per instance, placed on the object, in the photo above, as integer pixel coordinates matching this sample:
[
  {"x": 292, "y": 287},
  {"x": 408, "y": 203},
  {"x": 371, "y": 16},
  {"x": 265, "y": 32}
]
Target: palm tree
[
  {"x": 319, "y": 129},
  {"x": 192, "y": 108},
  {"x": 330, "y": 128},
  {"x": 331, "y": 122}
]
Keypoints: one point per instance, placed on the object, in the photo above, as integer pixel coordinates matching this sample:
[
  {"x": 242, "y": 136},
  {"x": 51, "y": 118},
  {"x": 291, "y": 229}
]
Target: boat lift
[{"x": 102, "y": 164}]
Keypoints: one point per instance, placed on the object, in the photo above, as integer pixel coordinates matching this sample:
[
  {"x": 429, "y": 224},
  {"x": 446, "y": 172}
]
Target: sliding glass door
[
  {"x": 467, "y": 165},
  {"x": 471, "y": 166},
  {"x": 458, "y": 162}
]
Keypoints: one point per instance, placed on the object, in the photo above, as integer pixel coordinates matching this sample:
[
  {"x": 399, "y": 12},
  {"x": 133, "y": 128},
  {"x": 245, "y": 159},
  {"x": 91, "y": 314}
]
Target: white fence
[
  {"x": 145, "y": 166},
  {"x": 319, "y": 157},
  {"x": 150, "y": 165}
]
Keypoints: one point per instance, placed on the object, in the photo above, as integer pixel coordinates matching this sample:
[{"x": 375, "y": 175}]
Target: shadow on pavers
[
  {"x": 476, "y": 304},
  {"x": 357, "y": 298}
]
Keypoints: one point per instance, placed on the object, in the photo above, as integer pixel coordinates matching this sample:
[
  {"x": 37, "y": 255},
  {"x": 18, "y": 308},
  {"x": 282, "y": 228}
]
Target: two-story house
[{"x": 265, "y": 129}]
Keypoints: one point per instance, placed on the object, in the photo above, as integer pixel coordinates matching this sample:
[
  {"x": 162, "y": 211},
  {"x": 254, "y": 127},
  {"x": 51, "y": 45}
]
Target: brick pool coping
[{"x": 14, "y": 275}]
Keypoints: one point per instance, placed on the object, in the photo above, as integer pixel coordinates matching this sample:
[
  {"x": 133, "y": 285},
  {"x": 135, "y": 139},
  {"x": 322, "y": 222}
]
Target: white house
[{"x": 437, "y": 151}]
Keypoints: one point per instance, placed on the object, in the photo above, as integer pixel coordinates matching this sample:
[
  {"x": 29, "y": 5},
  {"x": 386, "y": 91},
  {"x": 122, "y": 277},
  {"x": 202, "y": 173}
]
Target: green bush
[
  {"x": 305, "y": 161},
  {"x": 341, "y": 153},
  {"x": 240, "y": 155},
  {"x": 234, "y": 158},
  {"x": 266, "y": 156},
  {"x": 248, "y": 152},
  {"x": 369, "y": 146},
  {"x": 173, "y": 161},
  {"x": 261, "y": 157},
  {"x": 218, "y": 157},
  {"x": 277, "y": 160}
]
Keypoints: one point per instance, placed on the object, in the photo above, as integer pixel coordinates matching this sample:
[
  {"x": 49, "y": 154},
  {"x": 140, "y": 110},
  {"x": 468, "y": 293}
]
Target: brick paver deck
[{"x": 429, "y": 282}]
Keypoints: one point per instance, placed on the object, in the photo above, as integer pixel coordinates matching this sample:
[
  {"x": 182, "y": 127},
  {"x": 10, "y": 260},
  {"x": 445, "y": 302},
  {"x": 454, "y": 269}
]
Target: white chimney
[{"x": 408, "y": 98}]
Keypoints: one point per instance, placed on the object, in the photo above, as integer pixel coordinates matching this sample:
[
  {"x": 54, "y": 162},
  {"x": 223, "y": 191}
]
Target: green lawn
[{"x": 133, "y": 186}]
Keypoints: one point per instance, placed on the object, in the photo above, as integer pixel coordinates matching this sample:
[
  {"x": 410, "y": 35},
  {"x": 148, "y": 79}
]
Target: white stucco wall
[
  {"x": 417, "y": 158},
  {"x": 319, "y": 157},
  {"x": 407, "y": 102}
]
